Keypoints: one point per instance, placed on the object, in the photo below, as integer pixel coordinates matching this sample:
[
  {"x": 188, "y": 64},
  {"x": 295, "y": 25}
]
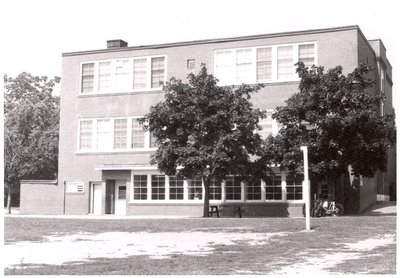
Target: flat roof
[{"x": 220, "y": 40}]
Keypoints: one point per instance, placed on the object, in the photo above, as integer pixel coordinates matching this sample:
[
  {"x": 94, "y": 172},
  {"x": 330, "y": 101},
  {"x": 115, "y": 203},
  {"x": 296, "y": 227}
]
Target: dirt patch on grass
[{"x": 86, "y": 246}]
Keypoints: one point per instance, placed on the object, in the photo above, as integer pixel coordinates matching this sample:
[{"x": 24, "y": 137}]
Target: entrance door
[
  {"x": 110, "y": 197},
  {"x": 95, "y": 198},
  {"x": 120, "y": 201}
]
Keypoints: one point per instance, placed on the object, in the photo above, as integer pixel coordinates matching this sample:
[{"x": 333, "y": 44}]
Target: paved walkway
[{"x": 384, "y": 209}]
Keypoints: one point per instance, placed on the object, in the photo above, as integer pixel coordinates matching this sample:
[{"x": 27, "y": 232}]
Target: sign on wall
[{"x": 75, "y": 187}]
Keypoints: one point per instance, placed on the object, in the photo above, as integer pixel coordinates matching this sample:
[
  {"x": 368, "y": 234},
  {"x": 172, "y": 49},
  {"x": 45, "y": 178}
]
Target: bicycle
[{"x": 322, "y": 208}]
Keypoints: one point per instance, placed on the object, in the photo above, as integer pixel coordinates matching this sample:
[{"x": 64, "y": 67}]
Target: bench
[{"x": 213, "y": 210}]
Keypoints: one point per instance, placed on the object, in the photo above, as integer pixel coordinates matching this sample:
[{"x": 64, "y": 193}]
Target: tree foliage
[
  {"x": 346, "y": 126},
  {"x": 30, "y": 128},
  {"x": 204, "y": 130}
]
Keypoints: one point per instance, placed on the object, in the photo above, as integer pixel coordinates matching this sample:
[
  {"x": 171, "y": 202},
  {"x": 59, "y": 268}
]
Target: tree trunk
[
  {"x": 9, "y": 199},
  {"x": 206, "y": 208}
]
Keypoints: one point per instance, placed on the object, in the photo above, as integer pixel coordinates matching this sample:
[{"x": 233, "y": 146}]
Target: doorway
[
  {"x": 110, "y": 197},
  {"x": 95, "y": 198},
  {"x": 120, "y": 194}
]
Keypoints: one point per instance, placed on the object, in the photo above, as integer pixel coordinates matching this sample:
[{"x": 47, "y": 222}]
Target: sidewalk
[{"x": 381, "y": 208}]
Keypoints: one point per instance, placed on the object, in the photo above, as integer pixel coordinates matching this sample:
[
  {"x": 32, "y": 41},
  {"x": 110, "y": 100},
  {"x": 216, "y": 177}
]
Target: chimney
[{"x": 116, "y": 44}]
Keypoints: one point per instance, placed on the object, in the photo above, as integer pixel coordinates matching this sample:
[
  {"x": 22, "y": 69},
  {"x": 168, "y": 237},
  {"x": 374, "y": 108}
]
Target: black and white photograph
[{"x": 199, "y": 138}]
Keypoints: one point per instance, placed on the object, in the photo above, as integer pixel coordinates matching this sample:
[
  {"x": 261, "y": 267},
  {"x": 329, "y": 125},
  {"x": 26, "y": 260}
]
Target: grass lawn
[{"x": 329, "y": 248}]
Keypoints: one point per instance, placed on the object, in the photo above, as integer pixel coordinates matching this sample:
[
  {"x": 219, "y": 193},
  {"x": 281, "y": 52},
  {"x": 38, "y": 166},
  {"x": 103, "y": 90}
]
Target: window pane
[
  {"x": 157, "y": 72},
  {"x": 120, "y": 133},
  {"x": 139, "y": 73},
  {"x": 215, "y": 190},
  {"x": 140, "y": 187},
  {"x": 273, "y": 187},
  {"x": 175, "y": 188},
  {"x": 87, "y": 82},
  {"x": 137, "y": 134},
  {"x": 294, "y": 187},
  {"x": 85, "y": 135},
  {"x": 153, "y": 140},
  {"x": 243, "y": 65},
  {"x": 306, "y": 54},
  {"x": 286, "y": 68},
  {"x": 104, "y": 134},
  {"x": 254, "y": 190},
  {"x": 195, "y": 189},
  {"x": 224, "y": 66},
  {"x": 121, "y": 192},
  {"x": 233, "y": 188},
  {"x": 157, "y": 187},
  {"x": 122, "y": 74},
  {"x": 104, "y": 76},
  {"x": 266, "y": 126},
  {"x": 264, "y": 64}
]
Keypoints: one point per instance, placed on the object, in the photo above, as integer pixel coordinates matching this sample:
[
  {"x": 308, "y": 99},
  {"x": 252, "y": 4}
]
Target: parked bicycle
[{"x": 322, "y": 208}]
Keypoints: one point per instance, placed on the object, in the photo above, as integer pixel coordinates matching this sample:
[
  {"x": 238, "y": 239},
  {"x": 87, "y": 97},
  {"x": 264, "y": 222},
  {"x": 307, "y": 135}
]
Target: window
[
  {"x": 266, "y": 126},
  {"x": 104, "y": 134},
  {"x": 122, "y": 75},
  {"x": 85, "y": 135},
  {"x": 243, "y": 65},
  {"x": 139, "y": 73},
  {"x": 104, "y": 76},
  {"x": 158, "y": 187},
  {"x": 285, "y": 62},
  {"x": 153, "y": 140},
  {"x": 121, "y": 192},
  {"x": 138, "y": 134},
  {"x": 157, "y": 72},
  {"x": 113, "y": 134},
  {"x": 120, "y": 133},
  {"x": 294, "y": 187},
  {"x": 140, "y": 187},
  {"x": 215, "y": 190},
  {"x": 195, "y": 189},
  {"x": 233, "y": 188},
  {"x": 272, "y": 63},
  {"x": 254, "y": 190},
  {"x": 273, "y": 187},
  {"x": 190, "y": 64},
  {"x": 175, "y": 188},
  {"x": 224, "y": 66},
  {"x": 306, "y": 54},
  {"x": 87, "y": 82},
  {"x": 264, "y": 64}
]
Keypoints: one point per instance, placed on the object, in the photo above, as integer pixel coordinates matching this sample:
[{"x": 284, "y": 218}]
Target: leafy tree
[
  {"x": 347, "y": 128},
  {"x": 204, "y": 130},
  {"x": 30, "y": 130}
]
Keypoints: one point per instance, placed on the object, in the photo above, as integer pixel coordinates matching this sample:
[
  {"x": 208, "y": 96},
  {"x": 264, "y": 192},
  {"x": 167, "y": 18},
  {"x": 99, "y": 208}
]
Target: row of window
[
  {"x": 121, "y": 134},
  {"x": 161, "y": 187},
  {"x": 113, "y": 134},
  {"x": 232, "y": 66},
  {"x": 123, "y": 75},
  {"x": 262, "y": 64}
]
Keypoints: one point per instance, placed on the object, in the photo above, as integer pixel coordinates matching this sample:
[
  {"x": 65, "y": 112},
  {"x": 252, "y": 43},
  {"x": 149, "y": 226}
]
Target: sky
[{"x": 36, "y": 32}]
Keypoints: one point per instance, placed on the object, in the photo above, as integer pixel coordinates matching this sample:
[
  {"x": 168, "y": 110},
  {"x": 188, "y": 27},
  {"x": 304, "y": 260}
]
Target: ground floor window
[
  {"x": 294, "y": 187},
  {"x": 233, "y": 188},
  {"x": 176, "y": 188},
  {"x": 254, "y": 190},
  {"x": 273, "y": 187},
  {"x": 157, "y": 187},
  {"x": 195, "y": 189}
]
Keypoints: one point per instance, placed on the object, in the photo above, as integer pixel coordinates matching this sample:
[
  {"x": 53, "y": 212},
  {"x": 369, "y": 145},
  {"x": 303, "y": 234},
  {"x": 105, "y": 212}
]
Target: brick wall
[{"x": 41, "y": 197}]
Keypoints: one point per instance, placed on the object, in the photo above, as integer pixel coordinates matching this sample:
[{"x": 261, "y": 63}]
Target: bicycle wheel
[{"x": 338, "y": 210}]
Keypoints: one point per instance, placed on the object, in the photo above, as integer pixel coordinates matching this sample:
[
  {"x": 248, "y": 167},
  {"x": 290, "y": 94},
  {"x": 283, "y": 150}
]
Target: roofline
[{"x": 220, "y": 40}]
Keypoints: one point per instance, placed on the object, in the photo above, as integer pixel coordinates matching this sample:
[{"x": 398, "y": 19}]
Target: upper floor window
[
  {"x": 262, "y": 63},
  {"x": 268, "y": 126},
  {"x": 123, "y": 75},
  {"x": 113, "y": 134}
]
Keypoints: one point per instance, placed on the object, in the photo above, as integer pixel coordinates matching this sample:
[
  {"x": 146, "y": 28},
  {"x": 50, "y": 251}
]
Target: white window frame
[
  {"x": 94, "y": 149},
  {"x": 274, "y": 77},
  {"x": 114, "y": 64}
]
